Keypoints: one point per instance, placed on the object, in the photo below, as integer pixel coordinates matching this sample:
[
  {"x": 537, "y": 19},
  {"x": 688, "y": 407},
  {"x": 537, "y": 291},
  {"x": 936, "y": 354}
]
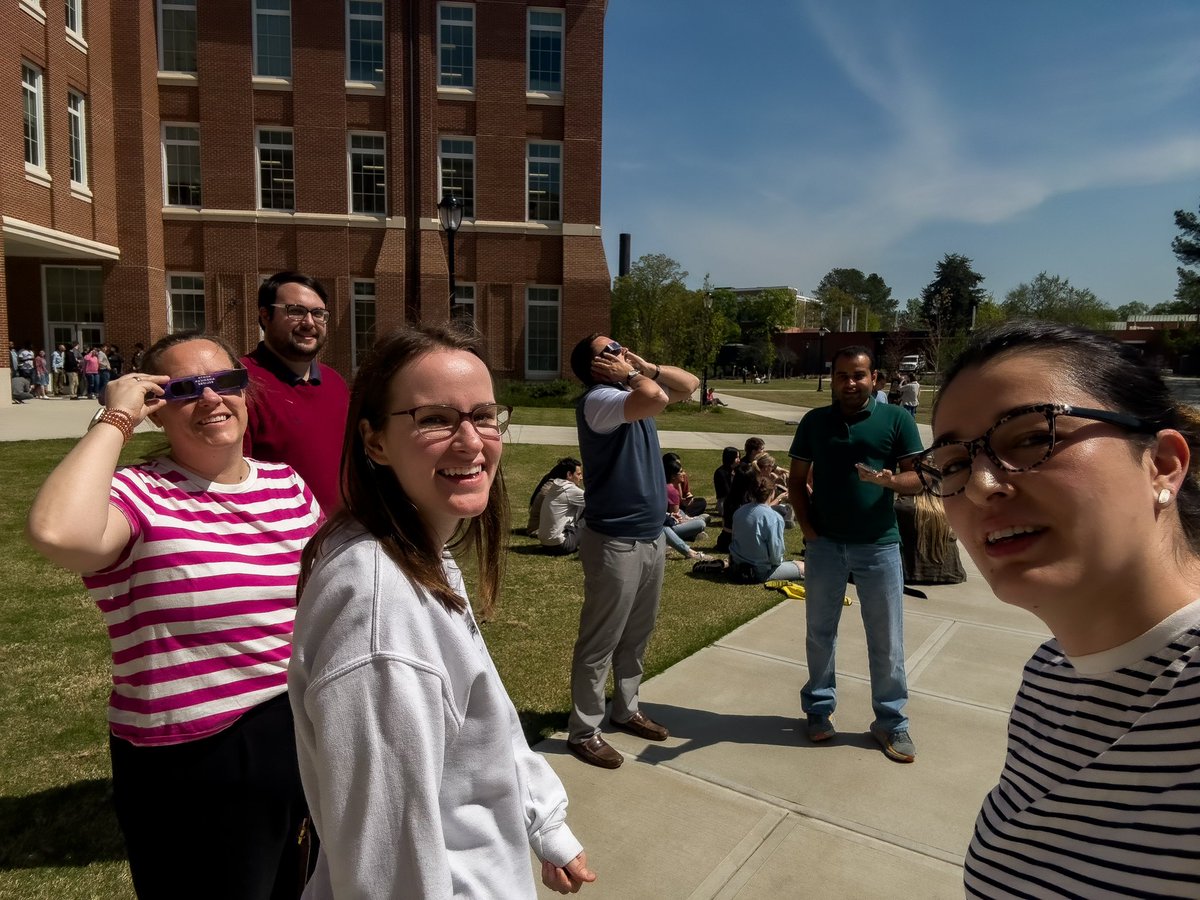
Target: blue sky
[{"x": 768, "y": 142}]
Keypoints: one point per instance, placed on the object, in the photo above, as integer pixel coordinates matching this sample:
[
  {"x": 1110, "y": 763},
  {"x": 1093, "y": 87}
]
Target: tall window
[
  {"x": 77, "y": 125},
  {"x": 276, "y": 170},
  {"x": 74, "y": 294},
  {"x": 181, "y": 165},
  {"x": 75, "y": 17},
  {"x": 544, "y": 170},
  {"x": 457, "y": 165},
  {"x": 273, "y": 38},
  {"x": 368, "y": 174},
  {"x": 363, "y": 336},
  {"x": 541, "y": 332},
  {"x": 546, "y": 50},
  {"x": 35, "y": 122},
  {"x": 177, "y": 35},
  {"x": 462, "y": 308},
  {"x": 456, "y": 45},
  {"x": 185, "y": 303},
  {"x": 364, "y": 41}
]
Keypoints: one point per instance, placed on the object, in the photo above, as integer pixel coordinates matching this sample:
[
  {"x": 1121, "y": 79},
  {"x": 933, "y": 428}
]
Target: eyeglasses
[
  {"x": 612, "y": 347},
  {"x": 1020, "y": 440},
  {"x": 297, "y": 312},
  {"x": 489, "y": 419},
  {"x": 189, "y": 387}
]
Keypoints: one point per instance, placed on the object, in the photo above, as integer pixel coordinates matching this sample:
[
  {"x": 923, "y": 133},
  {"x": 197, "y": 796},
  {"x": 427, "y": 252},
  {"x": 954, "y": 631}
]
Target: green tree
[
  {"x": 1052, "y": 298},
  {"x": 948, "y": 301},
  {"x": 1187, "y": 250},
  {"x": 642, "y": 301},
  {"x": 850, "y": 288},
  {"x": 1128, "y": 310},
  {"x": 760, "y": 317}
]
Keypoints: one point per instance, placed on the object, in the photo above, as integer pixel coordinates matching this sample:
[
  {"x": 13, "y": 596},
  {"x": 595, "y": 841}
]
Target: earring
[{"x": 1164, "y": 497}]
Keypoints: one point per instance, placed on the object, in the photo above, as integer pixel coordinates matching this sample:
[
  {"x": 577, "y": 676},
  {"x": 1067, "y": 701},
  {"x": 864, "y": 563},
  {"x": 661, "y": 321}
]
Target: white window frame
[
  {"x": 562, "y": 50},
  {"x": 351, "y": 151},
  {"x": 543, "y": 374},
  {"x": 77, "y": 133},
  {"x": 453, "y": 84},
  {"x": 258, "y": 168},
  {"x": 74, "y": 321},
  {"x": 192, "y": 292},
  {"x": 464, "y": 296},
  {"x": 179, "y": 6},
  {"x": 255, "y": 13},
  {"x": 471, "y": 211},
  {"x": 352, "y": 17},
  {"x": 529, "y": 179},
  {"x": 166, "y": 166},
  {"x": 33, "y": 85},
  {"x": 357, "y": 348}
]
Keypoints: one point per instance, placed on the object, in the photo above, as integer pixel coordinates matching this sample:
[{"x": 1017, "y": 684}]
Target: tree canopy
[
  {"x": 845, "y": 289},
  {"x": 1052, "y": 298},
  {"x": 948, "y": 301},
  {"x": 1186, "y": 247}
]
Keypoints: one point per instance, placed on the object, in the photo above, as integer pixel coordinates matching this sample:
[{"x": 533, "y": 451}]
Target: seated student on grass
[
  {"x": 558, "y": 523},
  {"x": 741, "y": 492},
  {"x": 680, "y": 528},
  {"x": 928, "y": 547},
  {"x": 690, "y": 504},
  {"x": 776, "y": 476},
  {"x": 756, "y": 553},
  {"x": 723, "y": 476},
  {"x": 561, "y": 469}
]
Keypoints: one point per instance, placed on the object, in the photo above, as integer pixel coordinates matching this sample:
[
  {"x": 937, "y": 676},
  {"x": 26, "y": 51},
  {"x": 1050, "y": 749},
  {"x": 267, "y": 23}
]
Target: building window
[
  {"x": 273, "y": 38},
  {"x": 368, "y": 174},
  {"x": 77, "y": 122},
  {"x": 181, "y": 165},
  {"x": 276, "y": 170},
  {"x": 75, "y": 17},
  {"x": 185, "y": 306},
  {"x": 544, "y": 184},
  {"x": 364, "y": 41},
  {"x": 177, "y": 36},
  {"x": 363, "y": 336},
  {"x": 456, "y": 45},
  {"x": 74, "y": 294},
  {"x": 546, "y": 50},
  {"x": 462, "y": 307},
  {"x": 541, "y": 332},
  {"x": 457, "y": 165},
  {"x": 35, "y": 122}
]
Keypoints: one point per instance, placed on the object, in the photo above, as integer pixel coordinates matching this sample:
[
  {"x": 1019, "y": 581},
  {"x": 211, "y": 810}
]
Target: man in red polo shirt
[{"x": 297, "y": 411}]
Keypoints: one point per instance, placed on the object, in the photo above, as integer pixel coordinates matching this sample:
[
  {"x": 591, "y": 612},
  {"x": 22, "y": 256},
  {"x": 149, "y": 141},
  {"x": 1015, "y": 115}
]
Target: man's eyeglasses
[
  {"x": 189, "y": 387},
  {"x": 1020, "y": 440},
  {"x": 489, "y": 419},
  {"x": 296, "y": 312}
]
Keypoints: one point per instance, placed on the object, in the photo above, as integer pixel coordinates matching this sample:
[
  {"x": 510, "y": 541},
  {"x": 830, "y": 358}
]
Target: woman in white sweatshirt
[{"x": 420, "y": 780}]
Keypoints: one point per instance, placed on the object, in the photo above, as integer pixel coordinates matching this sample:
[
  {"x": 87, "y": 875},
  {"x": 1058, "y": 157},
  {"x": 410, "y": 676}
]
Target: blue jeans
[
  {"x": 879, "y": 578},
  {"x": 678, "y": 535}
]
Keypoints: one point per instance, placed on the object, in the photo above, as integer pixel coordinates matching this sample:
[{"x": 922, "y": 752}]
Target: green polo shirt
[{"x": 843, "y": 507}]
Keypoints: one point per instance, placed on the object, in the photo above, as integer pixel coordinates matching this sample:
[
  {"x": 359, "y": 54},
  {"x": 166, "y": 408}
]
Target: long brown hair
[{"x": 374, "y": 499}]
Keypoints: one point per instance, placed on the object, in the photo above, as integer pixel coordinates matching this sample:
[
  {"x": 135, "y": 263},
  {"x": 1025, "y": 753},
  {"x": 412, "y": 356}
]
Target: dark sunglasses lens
[
  {"x": 181, "y": 389},
  {"x": 613, "y": 347},
  {"x": 233, "y": 380}
]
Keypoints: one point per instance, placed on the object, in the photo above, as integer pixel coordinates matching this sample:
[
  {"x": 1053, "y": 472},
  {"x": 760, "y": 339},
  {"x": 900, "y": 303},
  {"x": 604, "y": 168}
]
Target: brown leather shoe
[
  {"x": 643, "y": 727},
  {"x": 596, "y": 751}
]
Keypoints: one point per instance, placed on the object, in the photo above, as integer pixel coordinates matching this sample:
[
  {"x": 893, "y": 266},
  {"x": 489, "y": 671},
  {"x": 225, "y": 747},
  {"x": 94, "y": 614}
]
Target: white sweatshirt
[
  {"x": 562, "y": 507},
  {"x": 418, "y": 776}
]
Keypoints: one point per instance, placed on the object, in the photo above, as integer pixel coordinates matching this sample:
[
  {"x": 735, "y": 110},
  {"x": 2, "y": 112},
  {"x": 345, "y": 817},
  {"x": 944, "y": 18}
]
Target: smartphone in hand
[{"x": 864, "y": 469}]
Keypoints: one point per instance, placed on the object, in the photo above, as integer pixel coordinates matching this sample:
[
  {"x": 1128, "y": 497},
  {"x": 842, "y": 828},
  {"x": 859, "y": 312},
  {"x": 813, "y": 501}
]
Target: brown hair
[
  {"x": 934, "y": 534},
  {"x": 374, "y": 499},
  {"x": 153, "y": 357}
]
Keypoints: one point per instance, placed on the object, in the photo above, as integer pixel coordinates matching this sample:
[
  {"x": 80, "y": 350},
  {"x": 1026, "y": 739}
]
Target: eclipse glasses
[{"x": 189, "y": 387}]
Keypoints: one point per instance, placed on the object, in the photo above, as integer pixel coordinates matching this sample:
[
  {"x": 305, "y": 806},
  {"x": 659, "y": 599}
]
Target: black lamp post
[
  {"x": 821, "y": 332},
  {"x": 708, "y": 302},
  {"x": 450, "y": 212}
]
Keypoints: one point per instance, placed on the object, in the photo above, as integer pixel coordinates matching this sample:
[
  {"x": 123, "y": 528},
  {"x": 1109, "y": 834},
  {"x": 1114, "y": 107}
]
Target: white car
[{"x": 912, "y": 363}]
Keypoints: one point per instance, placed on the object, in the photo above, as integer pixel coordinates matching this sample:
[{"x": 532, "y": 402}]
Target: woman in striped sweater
[
  {"x": 192, "y": 558},
  {"x": 1065, "y": 468}
]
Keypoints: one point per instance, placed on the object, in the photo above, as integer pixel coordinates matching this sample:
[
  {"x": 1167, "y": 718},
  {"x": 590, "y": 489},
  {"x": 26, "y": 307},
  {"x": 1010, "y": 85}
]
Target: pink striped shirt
[{"x": 200, "y": 605}]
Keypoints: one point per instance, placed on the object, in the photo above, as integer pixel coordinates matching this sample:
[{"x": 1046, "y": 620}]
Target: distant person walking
[{"x": 910, "y": 394}]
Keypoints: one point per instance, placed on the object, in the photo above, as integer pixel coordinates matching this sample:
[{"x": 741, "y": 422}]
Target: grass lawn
[
  {"x": 58, "y": 834},
  {"x": 677, "y": 417}
]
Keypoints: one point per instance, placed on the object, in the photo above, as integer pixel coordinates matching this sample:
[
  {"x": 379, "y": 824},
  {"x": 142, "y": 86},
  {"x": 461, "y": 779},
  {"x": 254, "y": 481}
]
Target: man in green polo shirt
[{"x": 855, "y": 449}]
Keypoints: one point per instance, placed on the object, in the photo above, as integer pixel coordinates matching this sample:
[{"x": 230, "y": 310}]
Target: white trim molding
[{"x": 57, "y": 241}]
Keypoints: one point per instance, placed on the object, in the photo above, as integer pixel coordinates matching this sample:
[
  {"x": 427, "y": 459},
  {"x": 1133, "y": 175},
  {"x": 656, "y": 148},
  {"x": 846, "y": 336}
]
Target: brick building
[{"x": 177, "y": 151}]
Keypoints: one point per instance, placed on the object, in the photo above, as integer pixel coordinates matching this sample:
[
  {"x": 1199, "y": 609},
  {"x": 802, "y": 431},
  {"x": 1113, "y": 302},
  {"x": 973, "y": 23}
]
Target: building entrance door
[{"x": 66, "y": 333}]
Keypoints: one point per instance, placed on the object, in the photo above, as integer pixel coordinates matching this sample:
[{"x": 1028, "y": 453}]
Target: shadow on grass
[{"x": 74, "y": 825}]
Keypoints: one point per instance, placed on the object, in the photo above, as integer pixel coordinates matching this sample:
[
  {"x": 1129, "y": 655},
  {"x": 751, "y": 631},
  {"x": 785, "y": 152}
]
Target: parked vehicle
[{"x": 912, "y": 363}]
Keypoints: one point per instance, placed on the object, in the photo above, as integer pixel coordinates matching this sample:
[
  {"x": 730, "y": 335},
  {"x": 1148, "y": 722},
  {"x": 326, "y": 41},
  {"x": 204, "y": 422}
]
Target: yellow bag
[{"x": 794, "y": 591}]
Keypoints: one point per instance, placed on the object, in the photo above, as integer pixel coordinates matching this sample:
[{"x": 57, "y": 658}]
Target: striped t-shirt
[
  {"x": 1100, "y": 793},
  {"x": 199, "y": 607}
]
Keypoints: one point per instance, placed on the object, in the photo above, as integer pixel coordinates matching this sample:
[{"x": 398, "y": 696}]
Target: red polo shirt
[{"x": 296, "y": 421}]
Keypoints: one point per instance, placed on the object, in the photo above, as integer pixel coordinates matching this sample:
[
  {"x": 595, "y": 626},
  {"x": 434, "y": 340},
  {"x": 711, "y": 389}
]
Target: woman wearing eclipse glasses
[
  {"x": 193, "y": 558},
  {"x": 1066, "y": 470}
]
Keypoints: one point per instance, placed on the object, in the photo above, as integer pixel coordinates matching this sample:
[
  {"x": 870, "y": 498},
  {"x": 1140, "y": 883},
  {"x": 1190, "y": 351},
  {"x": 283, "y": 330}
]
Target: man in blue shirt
[
  {"x": 855, "y": 448},
  {"x": 621, "y": 545}
]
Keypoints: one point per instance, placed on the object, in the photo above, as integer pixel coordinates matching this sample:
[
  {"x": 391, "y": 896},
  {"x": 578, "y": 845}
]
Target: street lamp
[
  {"x": 450, "y": 212},
  {"x": 821, "y": 332},
  {"x": 708, "y": 301}
]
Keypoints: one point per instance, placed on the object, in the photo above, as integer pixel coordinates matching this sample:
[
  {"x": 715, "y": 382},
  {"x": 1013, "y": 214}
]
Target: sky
[{"x": 767, "y": 142}]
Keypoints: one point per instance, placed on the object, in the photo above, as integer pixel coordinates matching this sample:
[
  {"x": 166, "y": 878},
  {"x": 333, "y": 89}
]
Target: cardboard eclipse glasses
[{"x": 189, "y": 387}]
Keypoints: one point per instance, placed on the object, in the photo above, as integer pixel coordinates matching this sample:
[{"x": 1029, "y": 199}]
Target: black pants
[{"x": 217, "y": 817}]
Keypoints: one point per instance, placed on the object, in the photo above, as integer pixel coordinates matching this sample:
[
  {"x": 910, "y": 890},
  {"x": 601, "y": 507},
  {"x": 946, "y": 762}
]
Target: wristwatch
[
  {"x": 629, "y": 378},
  {"x": 118, "y": 418}
]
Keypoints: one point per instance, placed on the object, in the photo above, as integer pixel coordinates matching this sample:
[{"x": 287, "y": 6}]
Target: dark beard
[{"x": 289, "y": 351}]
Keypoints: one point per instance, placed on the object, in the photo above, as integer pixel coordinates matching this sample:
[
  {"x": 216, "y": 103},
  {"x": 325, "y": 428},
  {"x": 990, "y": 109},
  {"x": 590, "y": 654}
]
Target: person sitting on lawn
[
  {"x": 558, "y": 524},
  {"x": 756, "y": 553},
  {"x": 741, "y": 490},
  {"x": 192, "y": 558},
  {"x": 691, "y": 505},
  {"x": 723, "y": 476},
  {"x": 680, "y": 528},
  {"x": 776, "y": 476},
  {"x": 560, "y": 469}
]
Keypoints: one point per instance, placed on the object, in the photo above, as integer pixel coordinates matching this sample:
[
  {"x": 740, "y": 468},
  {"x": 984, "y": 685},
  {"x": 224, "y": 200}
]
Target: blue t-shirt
[{"x": 757, "y": 538}]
